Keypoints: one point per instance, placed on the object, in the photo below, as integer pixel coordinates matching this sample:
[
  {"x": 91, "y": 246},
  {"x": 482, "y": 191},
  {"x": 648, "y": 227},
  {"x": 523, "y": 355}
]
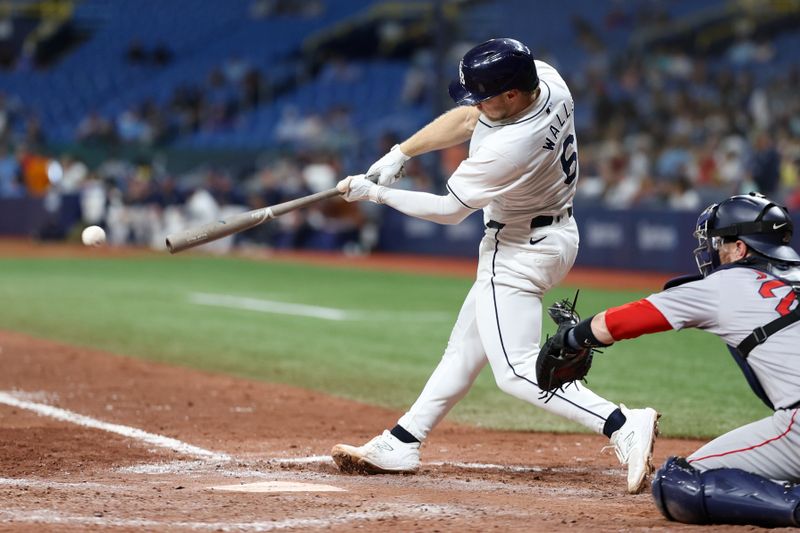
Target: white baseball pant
[{"x": 500, "y": 323}]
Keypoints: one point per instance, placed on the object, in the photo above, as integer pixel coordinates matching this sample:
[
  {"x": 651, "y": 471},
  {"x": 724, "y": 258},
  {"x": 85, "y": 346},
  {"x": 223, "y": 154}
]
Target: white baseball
[{"x": 93, "y": 236}]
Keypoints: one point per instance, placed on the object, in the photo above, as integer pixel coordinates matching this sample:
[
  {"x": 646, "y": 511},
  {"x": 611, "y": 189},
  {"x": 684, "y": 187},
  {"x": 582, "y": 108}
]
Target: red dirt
[{"x": 58, "y": 475}]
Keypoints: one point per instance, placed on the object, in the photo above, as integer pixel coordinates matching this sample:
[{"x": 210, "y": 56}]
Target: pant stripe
[
  {"x": 502, "y": 344},
  {"x": 753, "y": 447}
]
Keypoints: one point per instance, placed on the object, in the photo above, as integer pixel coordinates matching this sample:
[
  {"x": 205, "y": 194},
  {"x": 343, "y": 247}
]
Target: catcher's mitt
[{"x": 559, "y": 365}]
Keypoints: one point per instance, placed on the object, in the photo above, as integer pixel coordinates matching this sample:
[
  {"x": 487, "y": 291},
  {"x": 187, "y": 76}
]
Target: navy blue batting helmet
[
  {"x": 762, "y": 225},
  {"x": 491, "y": 68}
]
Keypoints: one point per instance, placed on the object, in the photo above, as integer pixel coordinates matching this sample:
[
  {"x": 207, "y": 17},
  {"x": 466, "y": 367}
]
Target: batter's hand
[
  {"x": 389, "y": 168},
  {"x": 357, "y": 188}
]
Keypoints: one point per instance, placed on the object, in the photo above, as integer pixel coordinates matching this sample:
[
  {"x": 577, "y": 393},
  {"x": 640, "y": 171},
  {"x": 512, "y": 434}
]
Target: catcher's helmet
[
  {"x": 491, "y": 68},
  {"x": 762, "y": 225}
]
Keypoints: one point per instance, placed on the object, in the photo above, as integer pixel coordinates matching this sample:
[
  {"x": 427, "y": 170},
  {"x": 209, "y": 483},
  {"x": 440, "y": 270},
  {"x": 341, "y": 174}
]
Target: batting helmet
[
  {"x": 762, "y": 225},
  {"x": 491, "y": 68}
]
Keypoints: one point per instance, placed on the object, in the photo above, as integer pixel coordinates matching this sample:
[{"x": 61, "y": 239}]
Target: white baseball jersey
[
  {"x": 527, "y": 166},
  {"x": 731, "y": 303},
  {"x": 516, "y": 170}
]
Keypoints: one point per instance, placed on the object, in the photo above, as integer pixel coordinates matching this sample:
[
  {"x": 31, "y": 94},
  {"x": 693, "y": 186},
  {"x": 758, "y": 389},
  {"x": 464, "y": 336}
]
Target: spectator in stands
[
  {"x": 34, "y": 133},
  {"x": 135, "y": 53},
  {"x": 338, "y": 70},
  {"x": 34, "y": 171},
  {"x": 162, "y": 54},
  {"x": 683, "y": 196},
  {"x": 419, "y": 78},
  {"x": 765, "y": 167},
  {"x": 73, "y": 174},
  {"x": 235, "y": 68},
  {"x": 10, "y": 184},
  {"x": 94, "y": 128}
]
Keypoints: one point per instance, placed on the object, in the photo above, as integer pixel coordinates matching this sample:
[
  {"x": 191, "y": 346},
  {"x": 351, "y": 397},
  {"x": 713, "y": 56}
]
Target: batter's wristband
[
  {"x": 376, "y": 194},
  {"x": 585, "y": 337}
]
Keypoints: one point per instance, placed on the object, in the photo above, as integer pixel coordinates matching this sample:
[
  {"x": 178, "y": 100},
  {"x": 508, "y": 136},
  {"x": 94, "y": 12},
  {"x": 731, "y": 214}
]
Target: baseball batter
[
  {"x": 746, "y": 295},
  {"x": 522, "y": 172}
]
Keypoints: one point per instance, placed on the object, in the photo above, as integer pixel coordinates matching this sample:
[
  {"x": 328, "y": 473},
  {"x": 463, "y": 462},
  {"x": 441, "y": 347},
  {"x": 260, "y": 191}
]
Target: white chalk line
[
  {"x": 44, "y": 516},
  {"x": 312, "y": 311},
  {"x": 126, "y": 431},
  {"x": 326, "y": 459},
  {"x": 39, "y": 484}
]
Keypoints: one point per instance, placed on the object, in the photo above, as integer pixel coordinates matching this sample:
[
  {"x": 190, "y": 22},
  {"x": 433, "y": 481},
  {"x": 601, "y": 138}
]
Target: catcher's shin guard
[{"x": 723, "y": 496}]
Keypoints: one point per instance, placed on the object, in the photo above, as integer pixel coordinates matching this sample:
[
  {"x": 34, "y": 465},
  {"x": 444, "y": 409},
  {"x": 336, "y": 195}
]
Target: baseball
[{"x": 93, "y": 236}]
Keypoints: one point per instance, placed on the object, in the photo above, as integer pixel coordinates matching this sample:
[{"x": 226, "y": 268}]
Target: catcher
[{"x": 746, "y": 294}]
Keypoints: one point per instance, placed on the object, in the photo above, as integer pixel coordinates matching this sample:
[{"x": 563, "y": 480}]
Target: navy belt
[{"x": 545, "y": 220}]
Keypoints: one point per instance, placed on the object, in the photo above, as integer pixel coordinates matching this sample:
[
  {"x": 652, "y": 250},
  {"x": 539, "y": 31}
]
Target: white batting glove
[
  {"x": 389, "y": 168},
  {"x": 357, "y": 188}
]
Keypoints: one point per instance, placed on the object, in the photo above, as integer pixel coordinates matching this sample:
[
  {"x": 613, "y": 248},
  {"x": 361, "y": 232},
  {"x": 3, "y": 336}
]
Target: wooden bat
[{"x": 189, "y": 238}]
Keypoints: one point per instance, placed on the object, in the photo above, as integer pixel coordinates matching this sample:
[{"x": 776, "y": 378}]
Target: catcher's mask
[{"x": 762, "y": 225}]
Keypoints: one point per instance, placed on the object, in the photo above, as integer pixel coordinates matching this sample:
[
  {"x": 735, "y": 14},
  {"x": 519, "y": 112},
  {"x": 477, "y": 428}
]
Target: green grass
[{"x": 141, "y": 308}]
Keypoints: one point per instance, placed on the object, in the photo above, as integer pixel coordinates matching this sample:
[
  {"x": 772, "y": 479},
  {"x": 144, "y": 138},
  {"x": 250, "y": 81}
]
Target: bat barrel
[
  {"x": 183, "y": 240},
  {"x": 189, "y": 238}
]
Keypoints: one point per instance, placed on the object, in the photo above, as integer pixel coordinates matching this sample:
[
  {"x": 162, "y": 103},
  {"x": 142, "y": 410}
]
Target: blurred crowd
[
  {"x": 140, "y": 203},
  {"x": 658, "y": 128},
  {"x": 230, "y": 89},
  {"x": 670, "y": 129}
]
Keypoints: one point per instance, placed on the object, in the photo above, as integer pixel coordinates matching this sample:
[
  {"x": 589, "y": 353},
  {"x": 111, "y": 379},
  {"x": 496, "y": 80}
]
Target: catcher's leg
[
  {"x": 768, "y": 447},
  {"x": 398, "y": 450},
  {"x": 723, "y": 496}
]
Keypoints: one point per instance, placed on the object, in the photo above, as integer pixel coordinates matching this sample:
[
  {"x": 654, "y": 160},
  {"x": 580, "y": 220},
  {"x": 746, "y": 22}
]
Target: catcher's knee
[
  {"x": 678, "y": 492},
  {"x": 723, "y": 496}
]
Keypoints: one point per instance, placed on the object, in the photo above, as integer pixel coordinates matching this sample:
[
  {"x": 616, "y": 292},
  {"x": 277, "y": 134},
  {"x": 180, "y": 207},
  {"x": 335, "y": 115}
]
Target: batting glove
[
  {"x": 357, "y": 188},
  {"x": 389, "y": 168}
]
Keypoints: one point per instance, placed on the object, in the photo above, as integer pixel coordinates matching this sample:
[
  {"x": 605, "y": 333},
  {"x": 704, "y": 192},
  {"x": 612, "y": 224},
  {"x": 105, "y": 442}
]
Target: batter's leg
[
  {"x": 398, "y": 450},
  {"x": 460, "y": 365},
  {"x": 509, "y": 323}
]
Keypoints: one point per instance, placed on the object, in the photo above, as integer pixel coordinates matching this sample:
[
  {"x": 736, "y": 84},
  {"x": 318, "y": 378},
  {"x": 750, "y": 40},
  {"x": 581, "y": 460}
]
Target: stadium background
[{"x": 146, "y": 116}]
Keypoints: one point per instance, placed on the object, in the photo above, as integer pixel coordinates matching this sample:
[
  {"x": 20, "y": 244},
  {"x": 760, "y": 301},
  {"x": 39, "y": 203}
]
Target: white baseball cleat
[
  {"x": 384, "y": 454},
  {"x": 633, "y": 444}
]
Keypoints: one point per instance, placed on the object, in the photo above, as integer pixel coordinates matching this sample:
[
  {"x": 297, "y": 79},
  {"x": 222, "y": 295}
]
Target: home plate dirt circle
[{"x": 279, "y": 486}]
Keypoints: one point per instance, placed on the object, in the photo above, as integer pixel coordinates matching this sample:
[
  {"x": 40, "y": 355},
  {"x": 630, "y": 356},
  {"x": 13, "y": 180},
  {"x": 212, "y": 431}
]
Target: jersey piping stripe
[
  {"x": 544, "y": 106},
  {"x": 457, "y": 198},
  {"x": 502, "y": 344},
  {"x": 753, "y": 447}
]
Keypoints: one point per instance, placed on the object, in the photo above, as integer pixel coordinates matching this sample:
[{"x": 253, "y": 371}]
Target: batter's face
[
  {"x": 495, "y": 108},
  {"x": 505, "y": 105}
]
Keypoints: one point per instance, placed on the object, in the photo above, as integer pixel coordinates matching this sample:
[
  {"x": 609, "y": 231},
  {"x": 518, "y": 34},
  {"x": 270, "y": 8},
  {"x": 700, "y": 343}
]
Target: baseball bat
[{"x": 189, "y": 238}]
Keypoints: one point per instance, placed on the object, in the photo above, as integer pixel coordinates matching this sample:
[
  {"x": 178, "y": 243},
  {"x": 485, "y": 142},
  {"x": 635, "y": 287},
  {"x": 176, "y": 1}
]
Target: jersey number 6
[{"x": 569, "y": 164}]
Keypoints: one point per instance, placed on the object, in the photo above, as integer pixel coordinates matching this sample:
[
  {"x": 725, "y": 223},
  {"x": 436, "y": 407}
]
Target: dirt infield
[{"x": 62, "y": 471}]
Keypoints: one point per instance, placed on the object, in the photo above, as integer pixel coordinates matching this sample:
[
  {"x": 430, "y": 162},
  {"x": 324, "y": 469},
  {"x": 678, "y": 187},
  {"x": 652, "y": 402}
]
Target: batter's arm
[
  {"x": 452, "y": 128},
  {"x": 427, "y": 206},
  {"x": 441, "y": 209}
]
